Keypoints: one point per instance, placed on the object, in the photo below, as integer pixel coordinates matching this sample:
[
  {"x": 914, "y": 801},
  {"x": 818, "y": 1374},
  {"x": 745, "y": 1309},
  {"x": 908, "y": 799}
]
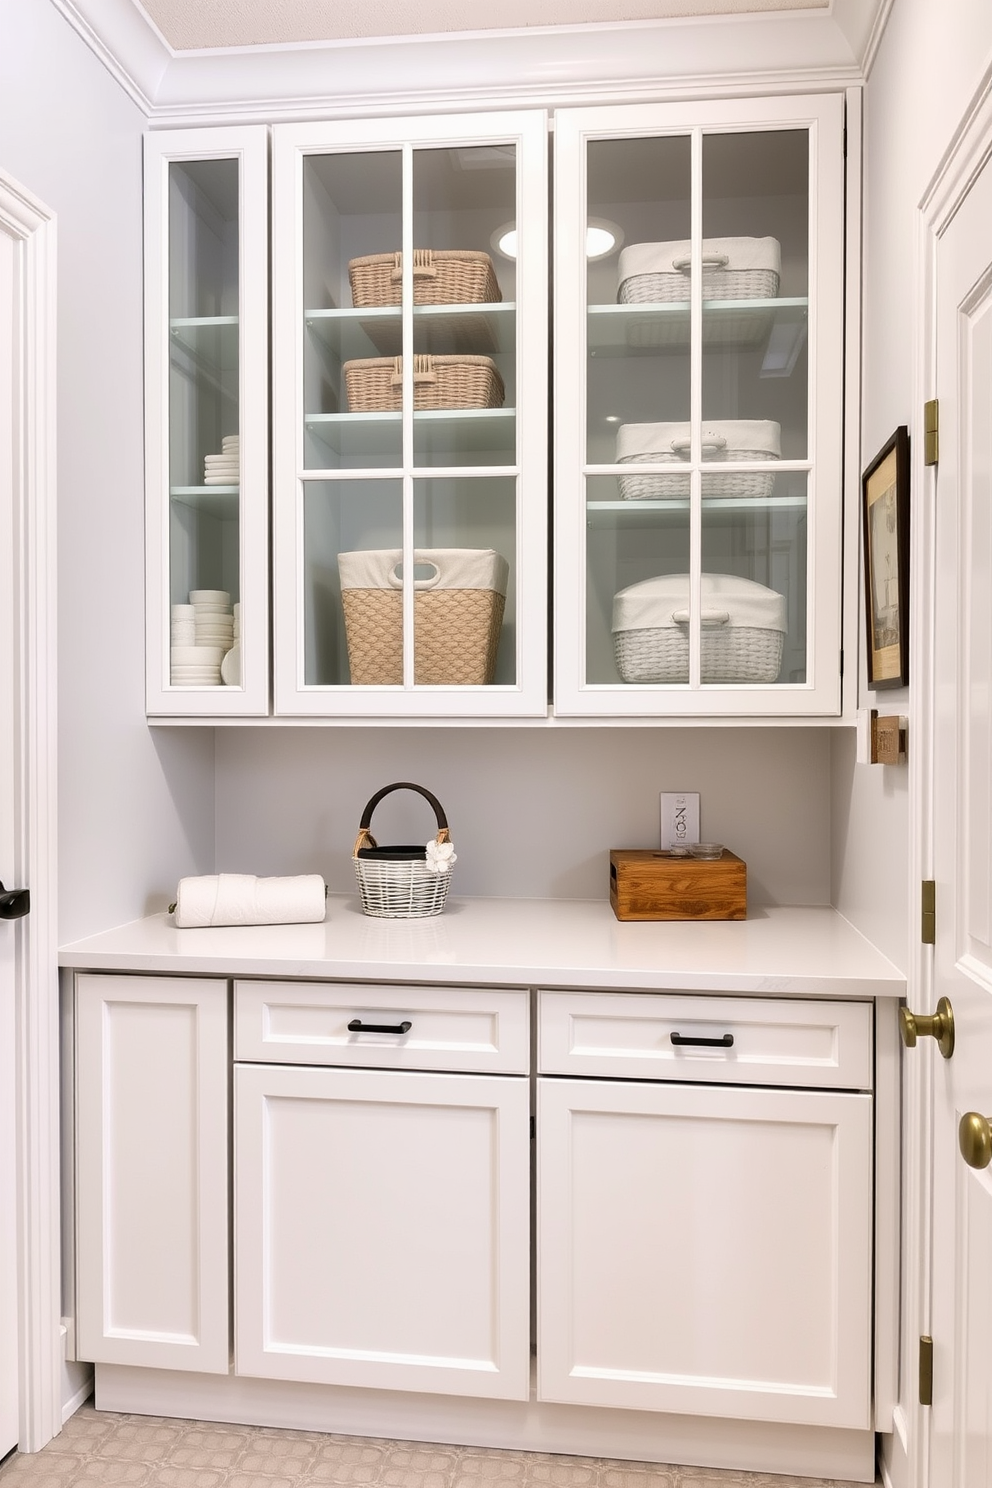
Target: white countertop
[{"x": 530, "y": 942}]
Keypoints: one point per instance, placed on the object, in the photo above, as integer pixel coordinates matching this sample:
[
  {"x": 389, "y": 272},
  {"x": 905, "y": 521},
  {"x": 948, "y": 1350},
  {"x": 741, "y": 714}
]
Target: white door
[
  {"x": 382, "y": 1229},
  {"x": 705, "y": 1250},
  {"x": 961, "y": 1324},
  {"x": 8, "y": 1209}
]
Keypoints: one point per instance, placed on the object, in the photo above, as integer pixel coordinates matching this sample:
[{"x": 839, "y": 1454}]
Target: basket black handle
[
  {"x": 366, "y": 821},
  {"x": 365, "y": 838}
]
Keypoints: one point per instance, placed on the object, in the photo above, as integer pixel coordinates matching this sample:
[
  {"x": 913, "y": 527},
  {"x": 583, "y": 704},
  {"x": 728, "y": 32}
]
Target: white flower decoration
[{"x": 440, "y": 856}]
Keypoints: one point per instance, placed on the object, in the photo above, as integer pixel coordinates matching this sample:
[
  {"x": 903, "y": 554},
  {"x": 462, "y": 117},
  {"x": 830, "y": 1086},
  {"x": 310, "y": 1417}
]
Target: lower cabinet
[
  {"x": 152, "y": 1071},
  {"x": 382, "y": 1215},
  {"x": 705, "y": 1248},
  {"x": 703, "y": 1179}
]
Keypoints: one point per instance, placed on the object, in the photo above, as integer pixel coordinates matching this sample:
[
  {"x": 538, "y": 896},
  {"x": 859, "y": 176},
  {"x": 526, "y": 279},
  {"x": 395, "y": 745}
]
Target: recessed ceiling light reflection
[{"x": 602, "y": 238}]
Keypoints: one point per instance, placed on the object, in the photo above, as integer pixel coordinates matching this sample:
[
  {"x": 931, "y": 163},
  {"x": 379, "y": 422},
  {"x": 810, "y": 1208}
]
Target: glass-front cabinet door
[
  {"x": 698, "y": 347},
  {"x": 206, "y": 422},
  {"x": 410, "y": 417}
]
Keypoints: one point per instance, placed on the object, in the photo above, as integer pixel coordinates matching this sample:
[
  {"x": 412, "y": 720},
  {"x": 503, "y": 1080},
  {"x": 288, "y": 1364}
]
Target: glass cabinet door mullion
[
  {"x": 407, "y": 569},
  {"x": 695, "y": 406}
]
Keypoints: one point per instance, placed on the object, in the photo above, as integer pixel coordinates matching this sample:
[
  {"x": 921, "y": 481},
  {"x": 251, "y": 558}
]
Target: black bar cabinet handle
[
  {"x": 357, "y": 1026},
  {"x": 726, "y": 1041}
]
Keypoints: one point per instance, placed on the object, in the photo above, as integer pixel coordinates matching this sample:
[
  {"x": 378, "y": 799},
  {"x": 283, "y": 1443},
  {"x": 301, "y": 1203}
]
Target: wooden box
[{"x": 654, "y": 885}]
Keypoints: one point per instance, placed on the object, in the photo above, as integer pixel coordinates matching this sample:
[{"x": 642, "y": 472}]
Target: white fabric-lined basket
[
  {"x": 742, "y": 623},
  {"x": 733, "y": 269},
  {"x": 748, "y": 440}
]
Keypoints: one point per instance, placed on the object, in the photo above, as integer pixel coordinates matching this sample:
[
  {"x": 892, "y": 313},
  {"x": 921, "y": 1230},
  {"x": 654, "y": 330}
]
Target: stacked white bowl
[
  {"x": 224, "y": 469},
  {"x": 230, "y": 667},
  {"x": 202, "y": 633}
]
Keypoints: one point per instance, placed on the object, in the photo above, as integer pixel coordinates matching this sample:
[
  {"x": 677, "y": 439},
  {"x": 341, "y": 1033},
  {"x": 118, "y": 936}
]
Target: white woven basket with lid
[
  {"x": 741, "y": 440},
  {"x": 743, "y": 627},
  {"x": 398, "y": 883},
  {"x": 733, "y": 269}
]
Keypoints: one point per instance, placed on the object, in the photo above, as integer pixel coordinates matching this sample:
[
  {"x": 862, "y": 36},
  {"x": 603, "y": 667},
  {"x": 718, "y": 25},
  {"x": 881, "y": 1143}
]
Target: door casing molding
[
  {"x": 970, "y": 146},
  {"x": 31, "y": 226}
]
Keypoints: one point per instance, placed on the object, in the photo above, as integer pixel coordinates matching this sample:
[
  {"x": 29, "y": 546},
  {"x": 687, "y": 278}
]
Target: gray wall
[
  {"x": 135, "y": 808},
  {"x": 532, "y": 811}
]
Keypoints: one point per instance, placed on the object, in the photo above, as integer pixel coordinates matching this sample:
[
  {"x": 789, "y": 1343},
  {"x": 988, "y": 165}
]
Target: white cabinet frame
[
  {"x": 291, "y": 144},
  {"x": 823, "y": 116},
  {"x": 249, "y": 146}
]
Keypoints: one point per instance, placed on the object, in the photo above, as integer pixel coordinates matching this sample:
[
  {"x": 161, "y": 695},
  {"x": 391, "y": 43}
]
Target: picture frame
[{"x": 885, "y": 540}]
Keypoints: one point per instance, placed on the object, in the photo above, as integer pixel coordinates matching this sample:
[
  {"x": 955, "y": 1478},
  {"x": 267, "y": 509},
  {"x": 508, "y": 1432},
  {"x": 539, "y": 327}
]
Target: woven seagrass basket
[
  {"x": 457, "y": 616},
  {"x": 446, "y": 276},
  {"x": 395, "y": 882},
  {"x": 375, "y": 384}
]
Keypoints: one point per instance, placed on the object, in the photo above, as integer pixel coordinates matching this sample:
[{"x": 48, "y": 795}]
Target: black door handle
[
  {"x": 14, "y": 903},
  {"x": 726, "y": 1041},
  {"x": 357, "y": 1026}
]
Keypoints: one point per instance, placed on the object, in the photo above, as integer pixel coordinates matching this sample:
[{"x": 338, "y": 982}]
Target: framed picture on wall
[{"x": 885, "y": 515}]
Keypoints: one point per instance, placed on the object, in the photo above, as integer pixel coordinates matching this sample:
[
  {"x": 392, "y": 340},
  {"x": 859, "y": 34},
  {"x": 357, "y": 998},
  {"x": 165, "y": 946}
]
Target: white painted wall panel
[
  {"x": 135, "y": 809},
  {"x": 532, "y": 812}
]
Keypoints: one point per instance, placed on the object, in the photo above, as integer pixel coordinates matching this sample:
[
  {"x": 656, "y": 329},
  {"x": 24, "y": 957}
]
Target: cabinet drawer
[
  {"x": 761, "y": 1041},
  {"x": 450, "y": 1028}
]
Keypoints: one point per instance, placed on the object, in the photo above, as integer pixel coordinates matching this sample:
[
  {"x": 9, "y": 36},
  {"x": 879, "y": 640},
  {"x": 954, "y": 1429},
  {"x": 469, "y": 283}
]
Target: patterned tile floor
[{"x": 97, "y": 1448}]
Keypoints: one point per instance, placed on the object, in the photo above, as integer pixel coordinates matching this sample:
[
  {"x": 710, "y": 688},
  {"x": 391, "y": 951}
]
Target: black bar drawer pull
[
  {"x": 357, "y": 1026},
  {"x": 726, "y": 1041}
]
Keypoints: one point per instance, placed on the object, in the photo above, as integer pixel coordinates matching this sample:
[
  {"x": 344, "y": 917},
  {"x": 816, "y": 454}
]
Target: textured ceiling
[{"x": 191, "y": 24}]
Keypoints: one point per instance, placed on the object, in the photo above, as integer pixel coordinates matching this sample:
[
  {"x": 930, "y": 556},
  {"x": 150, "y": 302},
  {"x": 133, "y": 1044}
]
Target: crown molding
[{"x": 541, "y": 65}]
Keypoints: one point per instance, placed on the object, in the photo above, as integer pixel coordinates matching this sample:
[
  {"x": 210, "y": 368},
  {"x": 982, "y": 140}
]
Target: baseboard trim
[
  {"x": 640, "y": 1436},
  {"x": 71, "y": 1406}
]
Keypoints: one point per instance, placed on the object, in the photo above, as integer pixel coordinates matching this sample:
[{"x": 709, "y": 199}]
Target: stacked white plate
[
  {"x": 203, "y": 632},
  {"x": 224, "y": 469},
  {"x": 183, "y": 625},
  {"x": 196, "y": 666},
  {"x": 230, "y": 667}
]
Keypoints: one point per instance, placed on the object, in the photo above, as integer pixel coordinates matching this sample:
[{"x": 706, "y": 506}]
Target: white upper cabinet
[
  {"x": 206, "y": 422},
  {"x": 698, "y": 394},
  {"x": 410, "y": 417}
]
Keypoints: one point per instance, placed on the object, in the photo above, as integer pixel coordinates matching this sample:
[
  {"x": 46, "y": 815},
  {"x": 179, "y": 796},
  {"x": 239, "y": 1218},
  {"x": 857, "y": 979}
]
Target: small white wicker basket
[{"x": 396, "y": 883}]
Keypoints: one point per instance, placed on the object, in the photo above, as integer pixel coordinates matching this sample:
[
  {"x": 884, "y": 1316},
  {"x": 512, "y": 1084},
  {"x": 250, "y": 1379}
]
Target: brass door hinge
[
  {"x": 930, "y": 432},
  {"x": 928, "y": 912},
  {"x": 926, "y": 1370}
]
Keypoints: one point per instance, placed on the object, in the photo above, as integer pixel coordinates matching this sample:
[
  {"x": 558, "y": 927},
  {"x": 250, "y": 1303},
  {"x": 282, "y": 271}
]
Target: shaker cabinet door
[
  {"x": 152, "y": 1172},
  {"x": 382, "y": 1229},
  {"x": 705, "y": 1251}
]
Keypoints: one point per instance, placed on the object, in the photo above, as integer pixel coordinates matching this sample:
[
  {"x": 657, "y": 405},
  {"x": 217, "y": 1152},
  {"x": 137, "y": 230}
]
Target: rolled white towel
[{"x": 243, "y": 899}]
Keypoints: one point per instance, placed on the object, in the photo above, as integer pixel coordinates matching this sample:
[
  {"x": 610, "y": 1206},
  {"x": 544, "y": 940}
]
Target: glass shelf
[
  {"x": 604, "y": 513},
  {"x": 618, "y": 330},
  {"x": 442, "y": 329},
  {"x": 210, "y": 339},
  {"x": 213, "y": 501},
  {"x": 347, "y": 435}
]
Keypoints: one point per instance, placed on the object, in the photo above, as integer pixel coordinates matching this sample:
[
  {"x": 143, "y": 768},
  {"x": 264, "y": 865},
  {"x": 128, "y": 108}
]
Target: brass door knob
[
  {"x": 938, "y": 1025},
  {"x": 975, "y": 1139}
]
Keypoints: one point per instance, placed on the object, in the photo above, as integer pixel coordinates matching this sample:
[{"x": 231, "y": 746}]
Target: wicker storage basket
[
  {"x": 457, "y": 616},
  {"x": 742, "y": 630},
  {"x": 396, "y": 882},
  {"x": 375, "y": 384},
  {"x": 445, "y": 276},
  {"x": 743, "y": 440}
]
